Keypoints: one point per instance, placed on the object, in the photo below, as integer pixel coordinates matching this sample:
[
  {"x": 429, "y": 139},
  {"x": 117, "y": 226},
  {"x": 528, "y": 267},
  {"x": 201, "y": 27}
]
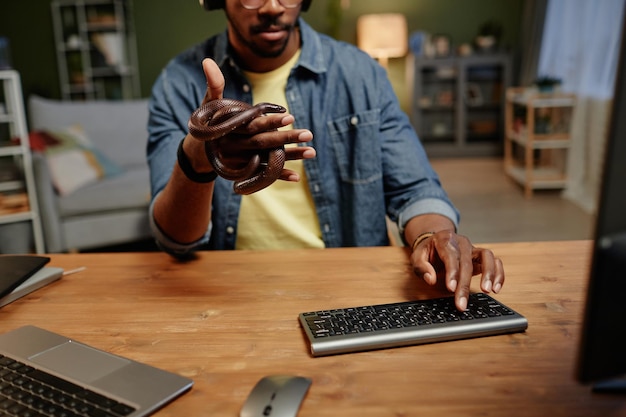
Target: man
[{"x": 367, "y": 161}]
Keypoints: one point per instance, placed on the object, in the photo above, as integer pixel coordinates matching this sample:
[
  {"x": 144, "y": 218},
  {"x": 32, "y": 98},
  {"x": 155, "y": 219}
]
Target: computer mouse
[{"x": 276, "y": 396}]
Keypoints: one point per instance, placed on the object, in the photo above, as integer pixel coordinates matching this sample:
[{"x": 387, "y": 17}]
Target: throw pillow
[
  {"x": 39, "y": 140},
  {"x": 74, "y": 161}
]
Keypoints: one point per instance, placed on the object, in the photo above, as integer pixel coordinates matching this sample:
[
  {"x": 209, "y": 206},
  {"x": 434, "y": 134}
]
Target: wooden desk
[{"x": 229, "y": 318}]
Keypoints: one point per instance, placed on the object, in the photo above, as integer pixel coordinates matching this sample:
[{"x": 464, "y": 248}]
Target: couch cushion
[
  {"x": 73, "y": 160},
  {"x": 131, "y": 189},
  {"x": 117, "y": 128}
]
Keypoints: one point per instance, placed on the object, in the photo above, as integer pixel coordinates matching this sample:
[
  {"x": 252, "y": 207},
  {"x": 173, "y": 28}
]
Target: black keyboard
[
  {"x": 29, "y": 392},
  {"x": 356, "y": 329}
]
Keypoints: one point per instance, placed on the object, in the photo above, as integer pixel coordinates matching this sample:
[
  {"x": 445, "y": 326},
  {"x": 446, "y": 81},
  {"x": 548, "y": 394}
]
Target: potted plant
[{"x": 547, "y": 84}]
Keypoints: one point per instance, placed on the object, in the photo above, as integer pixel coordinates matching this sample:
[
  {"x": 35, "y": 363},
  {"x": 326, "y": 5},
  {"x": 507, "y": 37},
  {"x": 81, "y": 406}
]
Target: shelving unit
[
  {"x": 18, "y": 199},
  {"x": 96, "y": 49},
  {"x": 458, "y": 103},
  {"x": 537, "y": 138}
]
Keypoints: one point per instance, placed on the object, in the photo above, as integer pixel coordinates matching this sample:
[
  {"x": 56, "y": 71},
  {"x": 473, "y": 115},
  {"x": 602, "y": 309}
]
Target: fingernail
[
  {"x": 497, "y": 287},
  {"x": 452, "y": 285},
  {"x": 487, "y": 286},
  {"x": 463, "y": 303},
  {"x": 305, "y": 136}
]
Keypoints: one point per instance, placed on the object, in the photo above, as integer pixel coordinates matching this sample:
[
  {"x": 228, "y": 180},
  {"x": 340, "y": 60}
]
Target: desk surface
[{"x": 227, "y": 319}]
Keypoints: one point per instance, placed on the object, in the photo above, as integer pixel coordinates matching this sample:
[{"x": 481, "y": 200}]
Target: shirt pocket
[{"x": 356, "y": 143}]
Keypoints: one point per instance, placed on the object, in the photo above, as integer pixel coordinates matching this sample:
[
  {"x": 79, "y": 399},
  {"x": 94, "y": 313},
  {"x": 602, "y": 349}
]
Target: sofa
[{"x": 91, "y": 210}]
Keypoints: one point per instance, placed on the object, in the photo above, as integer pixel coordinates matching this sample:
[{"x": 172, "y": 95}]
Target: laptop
[{"x": 127, "y": 387}]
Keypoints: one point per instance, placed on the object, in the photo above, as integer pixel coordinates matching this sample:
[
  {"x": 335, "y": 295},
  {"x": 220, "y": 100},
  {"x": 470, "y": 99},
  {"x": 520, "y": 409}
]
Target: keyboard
[
  {"x": 354, "y": 329},
  {"x": 29, "y": 392}
]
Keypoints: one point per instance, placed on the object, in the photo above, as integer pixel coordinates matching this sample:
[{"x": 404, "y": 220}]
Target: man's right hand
[{"x": 261, "y": 133}]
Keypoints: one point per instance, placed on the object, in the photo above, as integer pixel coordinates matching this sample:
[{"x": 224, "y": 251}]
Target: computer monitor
[{"x": 602, "y": 350}]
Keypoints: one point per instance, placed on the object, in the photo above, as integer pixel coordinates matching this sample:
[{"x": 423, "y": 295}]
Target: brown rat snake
[{"x": 218, "y": 118}]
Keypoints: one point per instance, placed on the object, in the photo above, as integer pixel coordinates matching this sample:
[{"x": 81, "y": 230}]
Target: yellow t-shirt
[{"x": 281, "y": 216}]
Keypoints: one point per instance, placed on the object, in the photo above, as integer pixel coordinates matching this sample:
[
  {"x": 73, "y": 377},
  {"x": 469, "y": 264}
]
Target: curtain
[
  {"x": 580, "y": 45},
  {"x": 533, "y": 17}
]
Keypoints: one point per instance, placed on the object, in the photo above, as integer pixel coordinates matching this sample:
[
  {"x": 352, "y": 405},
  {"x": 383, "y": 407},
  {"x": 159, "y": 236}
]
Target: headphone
[{"x": 219, "y": 4}]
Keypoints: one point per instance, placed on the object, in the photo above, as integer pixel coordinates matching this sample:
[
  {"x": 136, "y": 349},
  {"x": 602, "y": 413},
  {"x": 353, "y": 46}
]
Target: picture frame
[{"x": 442, "y": 45}]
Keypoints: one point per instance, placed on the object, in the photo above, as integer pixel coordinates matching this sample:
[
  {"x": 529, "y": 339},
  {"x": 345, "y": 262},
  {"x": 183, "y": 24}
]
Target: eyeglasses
[{"x": 256, "y": 4}]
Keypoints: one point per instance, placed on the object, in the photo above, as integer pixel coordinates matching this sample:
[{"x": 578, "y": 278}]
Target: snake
[{"x": 216, "y": 119}]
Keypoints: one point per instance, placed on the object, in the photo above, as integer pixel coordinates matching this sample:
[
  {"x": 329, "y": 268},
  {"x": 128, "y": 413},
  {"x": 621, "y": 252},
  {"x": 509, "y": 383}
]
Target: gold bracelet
[{"x": 420, "y": 239}]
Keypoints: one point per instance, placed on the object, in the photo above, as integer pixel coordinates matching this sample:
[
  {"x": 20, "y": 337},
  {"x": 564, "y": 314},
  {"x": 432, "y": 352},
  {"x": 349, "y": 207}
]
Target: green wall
[{"x": 165, "y": 27}]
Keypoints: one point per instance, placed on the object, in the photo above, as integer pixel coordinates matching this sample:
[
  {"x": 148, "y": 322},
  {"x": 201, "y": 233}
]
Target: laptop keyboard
[
  {"x": 29, "y": 392},
  {"x": 362, "y": 328}
]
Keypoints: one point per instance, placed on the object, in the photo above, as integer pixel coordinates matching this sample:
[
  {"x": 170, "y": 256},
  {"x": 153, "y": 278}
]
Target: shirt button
[
  {"x": 246, "y": 88},
  {"x": 354, "y": 121},
  {"x": 230, "y": 230},
  {"x": 327, "y": 228},
  {"x": 316, "y": 188}
]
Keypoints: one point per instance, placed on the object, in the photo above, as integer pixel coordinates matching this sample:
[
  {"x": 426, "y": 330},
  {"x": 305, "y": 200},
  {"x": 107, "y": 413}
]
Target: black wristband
[{"x": 185, "y": 166}]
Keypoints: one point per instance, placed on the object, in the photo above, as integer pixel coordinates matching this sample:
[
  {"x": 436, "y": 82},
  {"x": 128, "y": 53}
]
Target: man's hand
[
  {"x": 261, "y": 133},
  {"x": 447, "y": 256}
]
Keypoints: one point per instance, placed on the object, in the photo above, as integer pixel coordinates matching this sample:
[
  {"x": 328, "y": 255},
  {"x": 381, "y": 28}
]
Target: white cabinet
[
  {"x": 96, "y": 49},
  {"x": 18, "y": 199},
  {"x": 538, "y": 128}
]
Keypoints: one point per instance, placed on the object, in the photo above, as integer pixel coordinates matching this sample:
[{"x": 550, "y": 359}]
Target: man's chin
[{"x": 270, "y": 51}]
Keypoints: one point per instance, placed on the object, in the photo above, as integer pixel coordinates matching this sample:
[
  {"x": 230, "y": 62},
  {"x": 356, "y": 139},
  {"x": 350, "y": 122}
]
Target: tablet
[{"x": 41, "y": 278}]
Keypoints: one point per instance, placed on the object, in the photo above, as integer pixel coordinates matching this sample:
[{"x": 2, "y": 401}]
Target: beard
[{"x": 264, "y": 50}]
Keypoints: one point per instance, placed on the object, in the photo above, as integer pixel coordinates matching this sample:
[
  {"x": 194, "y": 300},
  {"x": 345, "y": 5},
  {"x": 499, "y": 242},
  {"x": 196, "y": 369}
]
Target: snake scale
[{"x": 218, "y": 118}]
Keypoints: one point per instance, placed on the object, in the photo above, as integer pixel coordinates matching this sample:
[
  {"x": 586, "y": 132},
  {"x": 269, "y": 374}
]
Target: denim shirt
[{"x": 369, "y": 160}]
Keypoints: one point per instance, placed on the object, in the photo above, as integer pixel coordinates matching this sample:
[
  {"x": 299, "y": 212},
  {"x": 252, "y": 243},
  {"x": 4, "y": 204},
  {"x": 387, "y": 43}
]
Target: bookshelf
[
  {"x": 18, "y": 199},
  {"x": 458, "y": 103},
  {"x": 96, "y": 49},
  {"x": 538, "y": 137}
]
